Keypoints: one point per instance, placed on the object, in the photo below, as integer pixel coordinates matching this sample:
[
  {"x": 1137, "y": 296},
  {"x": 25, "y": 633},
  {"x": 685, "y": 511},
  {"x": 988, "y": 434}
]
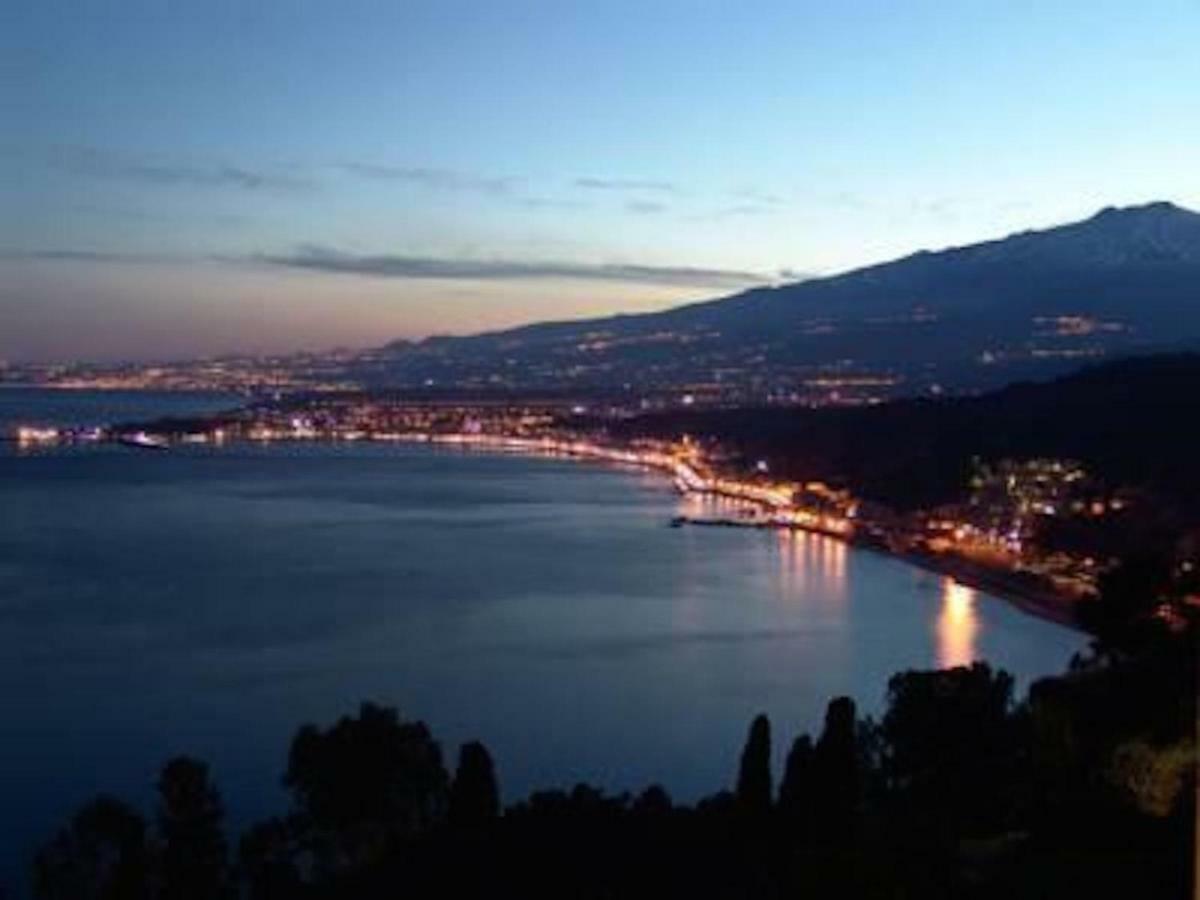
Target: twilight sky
[{"x": 190, "y": 178}]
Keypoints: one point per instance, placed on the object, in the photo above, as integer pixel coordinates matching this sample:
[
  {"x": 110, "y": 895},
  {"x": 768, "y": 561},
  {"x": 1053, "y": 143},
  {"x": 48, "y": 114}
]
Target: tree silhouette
[
  {"x": 474, "y": 796},
  {"x": 836, "y": 778},
  {"x": 364, "y": 784},
  {"x": 796, "y": 788},
  {"x": 194, "y": 865},
  {"x": 101, "y": 855},
  {"x": 1086, "y": 789},
  {"x": 754, "y": 773},
  {"x": 653, "y": 802},
  {"x": 267, "y": 861},
  {"x": 949, "y": 746}
]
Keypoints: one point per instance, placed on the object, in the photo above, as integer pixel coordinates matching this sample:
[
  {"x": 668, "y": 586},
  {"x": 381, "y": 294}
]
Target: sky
[{"x": 195, "y": 178}]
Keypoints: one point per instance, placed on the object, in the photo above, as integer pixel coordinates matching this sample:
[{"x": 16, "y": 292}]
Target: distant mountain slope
[{"x": 980, "y": 314}]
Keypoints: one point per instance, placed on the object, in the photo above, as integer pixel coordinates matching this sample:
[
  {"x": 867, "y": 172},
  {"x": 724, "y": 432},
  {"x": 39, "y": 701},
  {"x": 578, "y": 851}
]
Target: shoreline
[
  {"x": 1011, "y": 587},
  {"x": 1014, "y": 588}
]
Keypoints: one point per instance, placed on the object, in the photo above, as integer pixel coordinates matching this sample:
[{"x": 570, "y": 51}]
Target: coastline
[
  {"x": 1011, "y": 587},
  {"x": 1014, "y": 588},
  {"x": 1019, "y": 590}
]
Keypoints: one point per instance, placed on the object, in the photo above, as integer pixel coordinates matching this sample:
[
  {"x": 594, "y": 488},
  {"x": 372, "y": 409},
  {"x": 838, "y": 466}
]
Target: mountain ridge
[{"x": 1123, "y": 278}]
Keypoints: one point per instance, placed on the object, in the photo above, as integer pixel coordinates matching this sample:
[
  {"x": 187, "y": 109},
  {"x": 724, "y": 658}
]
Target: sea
[{"x": 209, "y": 601}]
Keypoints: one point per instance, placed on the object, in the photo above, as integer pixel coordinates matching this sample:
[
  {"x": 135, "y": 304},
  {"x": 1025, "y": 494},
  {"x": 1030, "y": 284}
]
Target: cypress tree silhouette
[
  {"x": 796, "y": 788},
  {"x": 754, "y": 774},
  {"x": 836, "y": 775},
  {"x": 474, "y": 796}
]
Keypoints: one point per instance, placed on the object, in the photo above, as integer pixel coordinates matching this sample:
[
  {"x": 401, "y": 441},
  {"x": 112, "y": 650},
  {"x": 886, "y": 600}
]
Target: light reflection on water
[
  {"x": 812, "y": 566},
  {"x": 813, "y": 570},
  {"x": 957, "y": 625}
]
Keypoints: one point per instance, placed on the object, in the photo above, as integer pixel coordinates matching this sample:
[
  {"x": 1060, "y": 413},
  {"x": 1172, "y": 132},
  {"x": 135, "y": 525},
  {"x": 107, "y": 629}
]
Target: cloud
[
  {"x": 323, "y": 259},
  {"x": 745, "y": 209},
  {"x": 130, "y": 214},
  {"x": 787, "y": 274},
  {"x": 625, "y": 184},
  {"x": 91, "y": 256},
  {"x": 433, "y": 178},
  {"x": 759, "y": 197},
  {"x": 844, "y": 200},
  {"x": 159, "y": 170},
  {"x": 644, "y": 207},
  {"x": 550, "y": 203},
  {"x": 739, "y": 210},
  {"x": 424, "y": 267}
]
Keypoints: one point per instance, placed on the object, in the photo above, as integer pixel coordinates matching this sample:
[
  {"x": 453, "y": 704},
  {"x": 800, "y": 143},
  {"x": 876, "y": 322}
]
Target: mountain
[{"x": 1030, "y": 304}]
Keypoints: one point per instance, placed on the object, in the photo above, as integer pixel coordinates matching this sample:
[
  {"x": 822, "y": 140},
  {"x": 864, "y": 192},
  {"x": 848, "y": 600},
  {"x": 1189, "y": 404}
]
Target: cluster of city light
[
  {"x": 29, "y": 435},
  {"x": 814, "y": 521},
  {"x": 965, "y": 537},
  {"x": 681, "y": 460},
  {"x": 44, "y": 435}
]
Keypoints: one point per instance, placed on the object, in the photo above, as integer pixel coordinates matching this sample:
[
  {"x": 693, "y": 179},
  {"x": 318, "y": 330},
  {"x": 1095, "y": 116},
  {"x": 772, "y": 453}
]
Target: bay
[{"x": 209, "y": 601}]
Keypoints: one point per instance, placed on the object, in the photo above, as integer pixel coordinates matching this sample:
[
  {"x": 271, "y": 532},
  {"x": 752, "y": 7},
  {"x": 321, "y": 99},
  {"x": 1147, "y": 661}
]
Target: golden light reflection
[
  {"x": 811, "y": 565},
  {"x": 957, "y": 625},
  {"x": 835, "y": 572}
]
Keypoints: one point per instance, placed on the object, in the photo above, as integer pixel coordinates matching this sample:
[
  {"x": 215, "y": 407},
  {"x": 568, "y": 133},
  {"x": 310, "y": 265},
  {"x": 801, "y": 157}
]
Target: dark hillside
[{"x": 1133, "y": 422}]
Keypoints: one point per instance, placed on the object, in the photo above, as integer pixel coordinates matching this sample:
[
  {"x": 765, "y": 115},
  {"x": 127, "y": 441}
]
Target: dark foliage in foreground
[{"x": 1086, "y": 788}]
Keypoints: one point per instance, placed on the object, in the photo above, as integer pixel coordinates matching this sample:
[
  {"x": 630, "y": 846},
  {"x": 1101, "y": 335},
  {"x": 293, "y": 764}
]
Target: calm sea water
[{"x": 209, "y": 601}]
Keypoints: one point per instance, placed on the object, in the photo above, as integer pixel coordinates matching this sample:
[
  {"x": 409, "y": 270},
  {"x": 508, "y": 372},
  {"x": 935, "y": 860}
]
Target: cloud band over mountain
[{"x": 399, "y": 266}]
